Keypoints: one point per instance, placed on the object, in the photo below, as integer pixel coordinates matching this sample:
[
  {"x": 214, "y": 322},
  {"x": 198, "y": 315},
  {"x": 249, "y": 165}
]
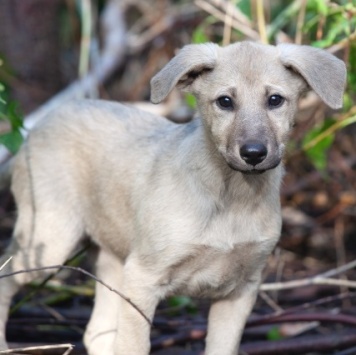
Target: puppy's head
[{"x": 247, "y": 94}]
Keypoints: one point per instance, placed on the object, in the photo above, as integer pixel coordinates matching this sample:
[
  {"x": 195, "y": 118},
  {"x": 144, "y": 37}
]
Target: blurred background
[{"x": 57, "y": 50}]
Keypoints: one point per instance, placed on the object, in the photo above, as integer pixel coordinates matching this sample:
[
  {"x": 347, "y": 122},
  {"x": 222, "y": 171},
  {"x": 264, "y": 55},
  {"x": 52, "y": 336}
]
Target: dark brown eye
[
  {"x": 275, "y": 101},
  {"x": 225, "y": 103}
]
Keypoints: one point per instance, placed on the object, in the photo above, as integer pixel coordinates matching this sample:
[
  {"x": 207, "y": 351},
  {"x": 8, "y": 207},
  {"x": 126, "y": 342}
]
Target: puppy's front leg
[
  {"x": 227, "y": 318},
  {"x": 133, "y": 331},
  {"x": 100, "y": 334}
]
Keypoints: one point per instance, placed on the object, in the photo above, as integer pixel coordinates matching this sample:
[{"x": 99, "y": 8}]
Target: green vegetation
[{"x": 12, "y": 140}]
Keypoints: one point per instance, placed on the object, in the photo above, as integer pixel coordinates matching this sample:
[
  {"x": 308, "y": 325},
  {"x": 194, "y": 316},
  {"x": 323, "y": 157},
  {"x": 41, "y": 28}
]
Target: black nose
[{"x": 253, "y": 153}]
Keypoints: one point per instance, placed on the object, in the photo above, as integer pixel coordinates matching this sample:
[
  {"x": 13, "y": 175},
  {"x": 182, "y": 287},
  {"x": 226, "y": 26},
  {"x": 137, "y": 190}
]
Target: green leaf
[
  {"x": 182, "y": 302},
  {"x": 14, "y": 117},
  {"x": 2, "y": 89},
  {"x": 347, "y": 102},
  {"x": 179, "y": 301},
  {"x": 351, "y": 77},
  {"x": 199, "y": 35},
  {"x": 9, "y": 112},
  {"x": 245, "y": 7},
  {"x": 274, "y": 334},
  {"x": 12, "y": 141},
  {"x": 317, "y": 153},
  {"x": 319, "y": 6},
  {"x": 285, "y": 16},
  {"x": 339, "y": 28}
]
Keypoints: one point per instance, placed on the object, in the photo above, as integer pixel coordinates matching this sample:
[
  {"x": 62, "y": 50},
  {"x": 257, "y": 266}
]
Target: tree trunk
[{"x": 29, "y": 44}]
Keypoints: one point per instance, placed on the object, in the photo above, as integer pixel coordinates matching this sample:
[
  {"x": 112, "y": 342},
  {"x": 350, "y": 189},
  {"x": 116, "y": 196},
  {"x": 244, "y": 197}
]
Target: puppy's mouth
[
  {"x": 253, "y": 170},
  {"x": 247, "y": 172}
]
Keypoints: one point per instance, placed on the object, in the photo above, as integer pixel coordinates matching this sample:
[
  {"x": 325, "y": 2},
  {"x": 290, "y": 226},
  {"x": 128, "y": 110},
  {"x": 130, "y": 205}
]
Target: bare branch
[
  {"x": 66, "y": 267},
  {"x": 5, "y": 263},
  {"x": 321, "y": 279},
  {"x": 67, "y": 347},
  {"x": 236, "y": 23}
]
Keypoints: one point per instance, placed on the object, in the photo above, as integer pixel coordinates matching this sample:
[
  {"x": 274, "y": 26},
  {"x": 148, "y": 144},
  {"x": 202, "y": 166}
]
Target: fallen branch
[
  {"x": 321, "y": 279},
  {"x": 269, "y": 318},
  {"x": 305, "y": 317}
]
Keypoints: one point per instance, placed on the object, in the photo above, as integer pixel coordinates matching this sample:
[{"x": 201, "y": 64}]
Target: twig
[
  {"x": 321, "y": 279},
  {"x": 30, "y": 294},
  {"x": 138, "y": 41},
  {"x": 237, "y": 13},
  {"x": 269, "y": 318},
  {"x": 306, "y": 317},
  {"x": 5, "y": 263},
  {"x": 261, "y": 21},
  {"x": 84, "y": 56},
  {"x": 339, "y": 270},
  {"x": 270, "y": 302},
  {"x": 239, "y": 26},
  {"x": 66, "y": 267},
  {"x": 332, "y": 129},
  {"x": 339, "y": 233},
  {"x": 68, "y": 347},
  {"x": 283, "y": 18},
  {"x": 343, "y": 43},
  {"x": 300, "y": 22},
  {"x": 228, "y": 24},
  {"x": 335, "y": 282}
]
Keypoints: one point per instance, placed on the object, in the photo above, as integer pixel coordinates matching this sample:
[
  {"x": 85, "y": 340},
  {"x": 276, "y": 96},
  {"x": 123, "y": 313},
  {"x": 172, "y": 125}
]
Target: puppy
[{"x": 190, "y": 209}]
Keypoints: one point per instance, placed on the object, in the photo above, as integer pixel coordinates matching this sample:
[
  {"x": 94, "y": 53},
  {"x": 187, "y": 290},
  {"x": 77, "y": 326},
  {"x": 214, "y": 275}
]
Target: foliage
[
  {"x": 2, "y": 89},
  {"x": 274, "y": 334},
  {"x": 177, "y": 303},
  {"x": 339, "y": 25},
  {"x": 317, "y": 152},
  {"x": 13, "y": 139},
  {"x": 351, "y": 79},
  {"x": 340, "y": 22}
]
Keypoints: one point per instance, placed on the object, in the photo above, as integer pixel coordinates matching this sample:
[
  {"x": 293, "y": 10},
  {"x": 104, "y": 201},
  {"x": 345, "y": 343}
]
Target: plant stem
[
  {"x": 332, "y": 129},
  {"x": 261, "y": 21}
]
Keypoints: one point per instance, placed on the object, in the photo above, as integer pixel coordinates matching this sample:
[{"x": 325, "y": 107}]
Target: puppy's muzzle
[
  {"x": 253, "y": 153},
  {"x": 252, "y": 157}
]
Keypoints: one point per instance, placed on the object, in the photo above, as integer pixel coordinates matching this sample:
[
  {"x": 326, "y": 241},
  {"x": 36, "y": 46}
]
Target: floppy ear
[
  {"x": 183, "y": 69},
  {"x": 323, "y": 72}
]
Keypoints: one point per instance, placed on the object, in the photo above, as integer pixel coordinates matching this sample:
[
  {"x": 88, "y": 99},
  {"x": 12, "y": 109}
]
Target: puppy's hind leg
[
  {"x": 7, "y": 289},
  {"x": 44, "y": 237},
  {"x": 101, "y": 331}
]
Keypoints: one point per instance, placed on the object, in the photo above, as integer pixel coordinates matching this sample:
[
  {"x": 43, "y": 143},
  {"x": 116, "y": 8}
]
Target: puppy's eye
[
  {"x": 225, "y": 103},
  {"x": 275, "y": 101}
]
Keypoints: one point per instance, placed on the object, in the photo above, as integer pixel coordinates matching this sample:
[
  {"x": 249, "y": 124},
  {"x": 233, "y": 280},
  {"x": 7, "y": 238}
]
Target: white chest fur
[
  {"x": 210, "y": 251},
  {"x": 213, "y": 273}
]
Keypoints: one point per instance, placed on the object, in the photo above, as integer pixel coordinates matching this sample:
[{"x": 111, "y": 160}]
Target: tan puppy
[{"x": 191, "y": 209}]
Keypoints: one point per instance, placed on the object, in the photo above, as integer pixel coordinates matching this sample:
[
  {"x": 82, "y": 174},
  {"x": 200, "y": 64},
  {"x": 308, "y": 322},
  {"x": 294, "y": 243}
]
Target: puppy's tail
[{"x": 5, "y": 173}]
